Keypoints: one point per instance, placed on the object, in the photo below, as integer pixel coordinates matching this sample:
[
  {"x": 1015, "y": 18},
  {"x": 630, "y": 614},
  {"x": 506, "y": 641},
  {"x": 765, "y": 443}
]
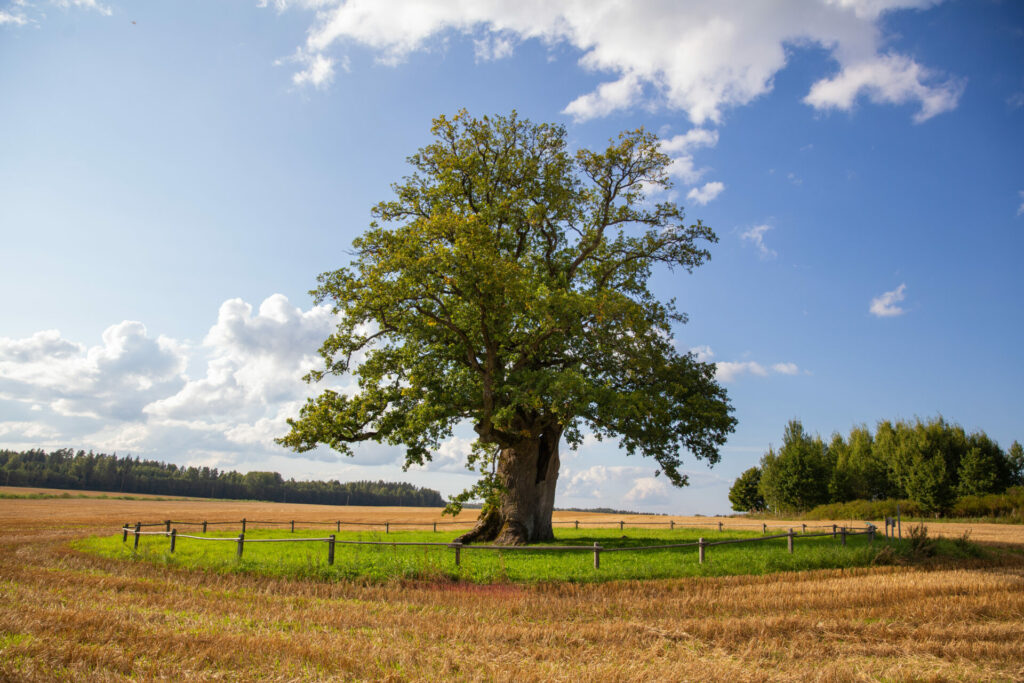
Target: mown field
[{"x": 68, "y": 615}]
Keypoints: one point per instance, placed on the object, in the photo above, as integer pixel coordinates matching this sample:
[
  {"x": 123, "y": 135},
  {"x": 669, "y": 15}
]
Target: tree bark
[{"x": 529, "y": 473}]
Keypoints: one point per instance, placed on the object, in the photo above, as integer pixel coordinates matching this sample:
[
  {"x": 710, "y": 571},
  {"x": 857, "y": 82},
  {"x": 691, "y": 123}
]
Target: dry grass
[{"x": 68, "y": 616}]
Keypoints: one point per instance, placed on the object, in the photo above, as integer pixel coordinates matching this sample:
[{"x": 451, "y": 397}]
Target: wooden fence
[{"x": 702, "y": 544}]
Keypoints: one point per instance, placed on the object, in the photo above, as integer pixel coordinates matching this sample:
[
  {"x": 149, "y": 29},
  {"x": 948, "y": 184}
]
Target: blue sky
[{"x": 174, "y": 175}]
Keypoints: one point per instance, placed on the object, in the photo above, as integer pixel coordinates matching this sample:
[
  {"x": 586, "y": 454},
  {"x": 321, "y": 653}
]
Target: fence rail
[{"x": 701, "y": 544}]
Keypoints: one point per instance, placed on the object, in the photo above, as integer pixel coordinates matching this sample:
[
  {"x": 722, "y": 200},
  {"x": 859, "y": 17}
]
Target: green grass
[{"x": 384, "y": 563}]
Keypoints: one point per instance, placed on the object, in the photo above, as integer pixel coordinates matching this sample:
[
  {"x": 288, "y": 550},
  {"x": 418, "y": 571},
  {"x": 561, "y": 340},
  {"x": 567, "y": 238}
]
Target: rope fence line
[
  {"x": 387, "y": 524},
  {"x": 331, "y": 541}
]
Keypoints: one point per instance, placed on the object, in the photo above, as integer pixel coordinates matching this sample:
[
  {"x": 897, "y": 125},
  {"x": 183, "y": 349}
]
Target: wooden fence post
[
  {"x": 719, "y": 527},
  {"x": 330, "y": 550},
  {"x": 124, "y": 538},
  {"x": 435, "y": 527},
  {"x": 597, "y": 556},
  {"x": 243, "y": 526},
  {"x": 387, "y": 527},
  {"x": 138, "y": 527},
  {"x": 167, "y": 524},
  {"x": 764, "y": 529},
  {"x": 458, "y": 552},
  {"x": 204, "y": 526},
  {"x": 700, "y": 550},
  {"x": 339, "y": 526},
  {"x": 843, "y": 535},
  {"x": 871, "y": 534},
  {"x": 833, "y": 532},
  {"x": 789, "y": 541},
  {"x": 577, "y": 524},
  {"x": 241, "y": 542},
  {"x": 293, "y": 526},
  {"x": 620, "y": 525},
  {"x": 805, "y": 528},
  {"x": 174, "y": 537},
  {"x": 672, "y": 524}
]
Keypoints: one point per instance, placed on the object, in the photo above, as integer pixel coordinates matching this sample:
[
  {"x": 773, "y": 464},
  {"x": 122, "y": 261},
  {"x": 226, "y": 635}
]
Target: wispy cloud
[
  {"x": 885, "y": 306},
  {"x": 755, "y": 236}
]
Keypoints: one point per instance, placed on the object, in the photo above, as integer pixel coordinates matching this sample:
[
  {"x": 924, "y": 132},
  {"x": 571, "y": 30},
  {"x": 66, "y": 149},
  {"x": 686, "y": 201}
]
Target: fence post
[
  {"x": 330, "y": 550},
  {"x": 174, "y": 537},
  {"x": 339, "y": 526},
  {"x": 833, "y": 532},
  {"x": 789, "y": 541},
  {"x": 167, "y": 524},
  {"x": 672, "y": 524},
  {"x": 719, "y": 527},
  {"x": 871, "y": 534},
  {"x": 700, "y": 550},
  {"x": 597, "y": 556},
  {"x": 458, "y": 552},
  {"x": 805, "y": 528},
  {"x": 843, "y": 535},
  {"x": 899, "y": 521},
  {"x": 764, "y": 528},
  {"x": 620, "y": 525},
  {"x": 243, "y": 529},
  {"x": 138, "y": 527},
  {"x": 293, "y": 526},
  {"x": 204, "y": 526},
  {"x": 577, "y": 524},
  {"x": 241, "y": 542},
  {"x": 435, "y": 527},
  {"x": 387, "y": 527},
  {"x": 124, "y": 528}
]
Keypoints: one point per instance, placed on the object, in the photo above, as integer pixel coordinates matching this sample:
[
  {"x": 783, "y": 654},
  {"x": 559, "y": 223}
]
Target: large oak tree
[{"x": 506, "y": 284}]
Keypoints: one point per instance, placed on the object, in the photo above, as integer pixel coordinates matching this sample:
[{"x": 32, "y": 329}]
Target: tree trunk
[{"x": 529, "y": 473}]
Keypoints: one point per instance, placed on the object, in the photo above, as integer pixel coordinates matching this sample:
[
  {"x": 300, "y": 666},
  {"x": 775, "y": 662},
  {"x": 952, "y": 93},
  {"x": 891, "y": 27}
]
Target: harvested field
[{"x": 66, "y": 615}]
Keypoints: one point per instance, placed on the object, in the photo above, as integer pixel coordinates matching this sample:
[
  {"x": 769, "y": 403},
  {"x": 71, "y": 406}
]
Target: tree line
[
  {"x": 66, "y": 469},
  {"x": 931, "y": 463}
]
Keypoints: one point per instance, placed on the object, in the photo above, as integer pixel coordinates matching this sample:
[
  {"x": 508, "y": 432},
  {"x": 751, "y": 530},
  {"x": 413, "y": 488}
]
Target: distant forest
[{"x": 65, "y": 469}]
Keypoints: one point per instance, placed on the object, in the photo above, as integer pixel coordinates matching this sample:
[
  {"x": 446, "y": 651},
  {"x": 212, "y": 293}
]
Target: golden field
[{"x": 69, "y": 616}]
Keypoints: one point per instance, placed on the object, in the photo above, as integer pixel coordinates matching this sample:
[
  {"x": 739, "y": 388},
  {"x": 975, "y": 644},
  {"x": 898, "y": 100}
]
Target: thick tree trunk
[{"x": 529, "y": 473}]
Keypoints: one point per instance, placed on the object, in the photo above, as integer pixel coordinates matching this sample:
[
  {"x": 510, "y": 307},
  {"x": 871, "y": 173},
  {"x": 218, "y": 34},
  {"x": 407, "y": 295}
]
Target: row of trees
[
  {"x": 65, "y": 469},
  {"x": 929, "y": 462}
]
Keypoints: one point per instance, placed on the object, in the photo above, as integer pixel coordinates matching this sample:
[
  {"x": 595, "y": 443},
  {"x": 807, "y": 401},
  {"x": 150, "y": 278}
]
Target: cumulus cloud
[
  {"x": 13, "y": 18},
  {"x": 730, "y": 371},
  {"x": 701, "y": 57},
  {"x": 755, "y": 236},
  {"x": 648, "y": 491},
  {"x": 133, "y": 392},
  {"x": 705, "y": 194},
  {"x": 885, "y": 306}
]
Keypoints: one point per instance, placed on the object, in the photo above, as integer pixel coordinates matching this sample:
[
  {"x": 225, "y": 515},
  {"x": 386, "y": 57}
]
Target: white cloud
[
  {"x": 706, "y": 193},
  {"x": 730, "y": 371},
  {"x": 27, "y": 430},
  {"x": 885, "y": 306},
  {"x": 888, "y": 79},
  {"x": 85, "y": 4},
  {"x": 756, "y": 237},
  {"x": 16, "y": 19},
  {"x": 703, "y": 353},
  {"x": 701, "y": 56},
  {"x": 490, "y": 48},
  {"x": 319, "y": 71},
  {"x": 647, "y": 490}
]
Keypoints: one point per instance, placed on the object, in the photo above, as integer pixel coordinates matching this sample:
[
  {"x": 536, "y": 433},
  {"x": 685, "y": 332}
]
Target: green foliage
[
  {"x": 797, "y": 478},
  {"x": 505, "y": 284},
  {"x": 65, "y": 469},
  {"x": 933, "y": 466},
  {"x": 745, "y": 495}
]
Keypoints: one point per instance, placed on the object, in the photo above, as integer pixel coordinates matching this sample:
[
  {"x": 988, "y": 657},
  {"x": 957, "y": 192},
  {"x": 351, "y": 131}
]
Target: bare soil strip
[{"x": 69, "y": 616}]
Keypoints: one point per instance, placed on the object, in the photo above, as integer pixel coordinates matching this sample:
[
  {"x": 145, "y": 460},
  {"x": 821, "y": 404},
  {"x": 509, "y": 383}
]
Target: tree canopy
[{"x": 506, "y": 284}]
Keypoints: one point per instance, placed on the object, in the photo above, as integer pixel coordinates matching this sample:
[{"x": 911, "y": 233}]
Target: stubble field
[{"x": 65, "y": 615}]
